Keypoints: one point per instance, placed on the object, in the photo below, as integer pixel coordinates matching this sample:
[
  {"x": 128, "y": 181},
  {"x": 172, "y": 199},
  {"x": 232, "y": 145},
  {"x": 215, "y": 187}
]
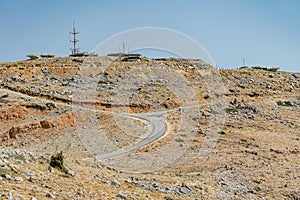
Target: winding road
[
  {"x": 156, "y": 119},
  {"x": 159, "y": 128}
]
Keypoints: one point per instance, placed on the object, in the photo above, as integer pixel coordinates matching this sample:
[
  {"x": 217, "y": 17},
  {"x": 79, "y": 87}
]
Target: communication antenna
[
  {"x": 244, "y": 62},
  {"x": 74, "y": 50}
]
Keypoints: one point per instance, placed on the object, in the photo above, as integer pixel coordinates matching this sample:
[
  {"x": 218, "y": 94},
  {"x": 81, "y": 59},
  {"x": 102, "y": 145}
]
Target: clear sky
[{"x": 264, "y": 32}]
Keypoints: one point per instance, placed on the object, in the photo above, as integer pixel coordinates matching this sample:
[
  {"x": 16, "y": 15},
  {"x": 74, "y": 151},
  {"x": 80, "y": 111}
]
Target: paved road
[
  {"x": 158, "y": 124},
  {"x": 159, "y": 128}
]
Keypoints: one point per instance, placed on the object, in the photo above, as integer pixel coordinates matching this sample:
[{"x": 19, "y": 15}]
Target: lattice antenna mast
[{"x": 74, "y": 41}]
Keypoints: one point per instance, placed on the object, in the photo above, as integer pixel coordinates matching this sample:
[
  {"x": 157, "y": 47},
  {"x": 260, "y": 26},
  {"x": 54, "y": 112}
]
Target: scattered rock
[
  {"x": 251, "y": 152},
  {"x": 50, "y": 169},
  {"x": 46, "y": 124},
  {"x": 65, "y": 175},
  {"x": 296, "y": 76},
  {"x": 50, "y": 195},
  {"x": 206, "y": 96},
  {"x": 115, "y": 183},
  {"x": 14, "y": 168},
  {"x": 121, "y": 196},
  {"x": 13, "y": 132},
  {"x": 4, "y": 96},
  {"x": 221, "y": 132},
  {"x": 36, "y": 106},
  {"x": 71, "y": 172},
  {"x": 233, "y": 90},
  {"x": 253, "y": 94},
  {"x": 2, "y": 164},
  {"x": 8, "y": 177},
  {"x": 276, "y": 151},
  {"x": 184, "y": 190},
  {"x": 271, "y": 75},
  {"x": 18, "y": 178},
  {"x": 50, "y": 106}
]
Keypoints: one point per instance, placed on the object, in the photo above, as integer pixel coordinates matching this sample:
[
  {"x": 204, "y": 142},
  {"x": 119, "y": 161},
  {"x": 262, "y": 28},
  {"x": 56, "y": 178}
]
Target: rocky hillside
[{"x": 229, "y": 134}]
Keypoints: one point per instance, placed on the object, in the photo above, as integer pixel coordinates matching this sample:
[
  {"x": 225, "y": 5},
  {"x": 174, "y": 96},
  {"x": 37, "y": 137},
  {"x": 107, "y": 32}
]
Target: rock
[
  {"x": 14, "y": 168},
  {"x": 37, "y": 106},
  {"x": 271, "y": 75},
  {"x": 50, "y": 106},
  {"x": 8, "y": 177},
  {"x": 233, "y": 90},
  {"x": 221, "y": 132},
  {"x": 128, "y": 180},
  {"x": 4, "y": 96},
  {"x": 296, "y": 76},
  {"x": 206, "y": 97},
  {"x": 65, "y": 175},
  {"x": 32, "y": 198},
  {"x": 253, "y": 94},
  {"x": 183, "y": 190},
  {"x": 276, "y": 151},
  {"x": 65, "y": 83},
  {"x": 121, "y": 196},
  {"x": 19, "y": 162},
  {"x": 18, "y": 178},
  {"x": 28, "y": 176},
  {"x": 13, "y": 132},
  {"x": 46, "y": 124},
  {"x": 71, "y": 173},
  {"x": 1, "y": 179},
  {"x": 50, "y": 169},
  {"x": 115, "y": 183},
  {"x": 50, "y": 195},
  {"x": 2, "y": 164}
]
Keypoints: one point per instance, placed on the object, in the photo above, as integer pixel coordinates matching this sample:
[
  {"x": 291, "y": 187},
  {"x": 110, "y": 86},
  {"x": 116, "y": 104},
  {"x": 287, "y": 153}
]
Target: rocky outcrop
[{"x": 37, "y": 129}]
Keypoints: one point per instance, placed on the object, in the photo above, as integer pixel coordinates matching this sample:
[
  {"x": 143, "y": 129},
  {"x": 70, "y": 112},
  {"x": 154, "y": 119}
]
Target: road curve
[
  {"x": 159, "y": 125},
  {"x": 159, "y": 128}
]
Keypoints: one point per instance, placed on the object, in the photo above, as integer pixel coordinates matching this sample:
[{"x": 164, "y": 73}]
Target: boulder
[
  {"x": 46, "y": 124},
  {"x": 13, "y": 132}
]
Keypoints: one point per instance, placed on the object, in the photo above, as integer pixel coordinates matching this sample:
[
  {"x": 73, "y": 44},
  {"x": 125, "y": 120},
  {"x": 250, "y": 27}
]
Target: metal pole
[{"x": 74, "y": 41}]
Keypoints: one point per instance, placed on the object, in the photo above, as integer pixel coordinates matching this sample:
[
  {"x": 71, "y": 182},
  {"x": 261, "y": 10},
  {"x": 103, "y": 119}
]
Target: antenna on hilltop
[
  {"x": 74, "y": 41},
  {"x": 244, "y": 62}
]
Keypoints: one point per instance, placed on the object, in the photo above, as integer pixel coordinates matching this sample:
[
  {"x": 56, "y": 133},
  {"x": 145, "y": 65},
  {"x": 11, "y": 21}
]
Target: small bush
[
  {"x": 284, "y": 103},
  {"x": 57, "y": 161},
  {"x": 179, "y": 140},
  {"x": 231, "y": 110}
]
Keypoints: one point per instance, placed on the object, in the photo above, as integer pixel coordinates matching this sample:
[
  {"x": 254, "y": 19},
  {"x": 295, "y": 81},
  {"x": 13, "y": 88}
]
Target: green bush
[
  {"x": 284, "y": 103},
  {"x": 57, "y": 161}
]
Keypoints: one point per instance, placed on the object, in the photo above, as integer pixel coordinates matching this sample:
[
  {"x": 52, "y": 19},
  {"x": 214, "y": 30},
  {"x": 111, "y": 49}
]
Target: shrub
[
  {"x": 284, "y": 103},
  {"x": 57, "y": 161}
]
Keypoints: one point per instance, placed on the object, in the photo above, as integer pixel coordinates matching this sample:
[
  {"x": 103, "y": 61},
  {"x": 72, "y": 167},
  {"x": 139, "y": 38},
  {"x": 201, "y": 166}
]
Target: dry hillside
[{"x": 197, "y": 132}]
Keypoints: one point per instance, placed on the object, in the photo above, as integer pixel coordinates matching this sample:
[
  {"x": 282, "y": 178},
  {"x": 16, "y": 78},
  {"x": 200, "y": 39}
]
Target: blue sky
[{"x": 264, "y": 32}]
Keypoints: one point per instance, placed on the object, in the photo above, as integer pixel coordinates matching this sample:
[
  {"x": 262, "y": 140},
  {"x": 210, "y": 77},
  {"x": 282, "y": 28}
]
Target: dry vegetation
[{"x": 57, "y": 107}]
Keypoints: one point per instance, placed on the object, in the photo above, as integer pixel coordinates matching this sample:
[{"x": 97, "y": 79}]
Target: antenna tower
[{"x": 74, "y": 41}]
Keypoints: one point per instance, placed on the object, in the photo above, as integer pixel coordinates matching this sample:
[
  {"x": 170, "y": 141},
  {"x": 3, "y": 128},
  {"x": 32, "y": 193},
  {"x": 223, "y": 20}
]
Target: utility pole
[{"x": 74, "y": 41}]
